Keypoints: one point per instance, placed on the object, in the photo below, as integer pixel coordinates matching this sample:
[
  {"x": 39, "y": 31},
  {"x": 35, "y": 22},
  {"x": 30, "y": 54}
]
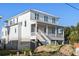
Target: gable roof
[{"x": 34, "y": 10}]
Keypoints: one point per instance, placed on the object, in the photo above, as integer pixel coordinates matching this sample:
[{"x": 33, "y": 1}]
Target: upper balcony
[{"x": 43, "y": 17}]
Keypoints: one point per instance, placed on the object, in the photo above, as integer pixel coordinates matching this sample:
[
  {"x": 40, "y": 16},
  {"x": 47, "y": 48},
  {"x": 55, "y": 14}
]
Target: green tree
[
  {"x": 66, "y": 33},
  {"x": 72, "y": 33},
  {"x": 77, "y": 28},
  {"x": 73, "y": 37}
]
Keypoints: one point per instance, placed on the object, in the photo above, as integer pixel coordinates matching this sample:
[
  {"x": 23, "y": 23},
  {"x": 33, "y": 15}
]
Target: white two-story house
[{"x": 32, "y": 28}]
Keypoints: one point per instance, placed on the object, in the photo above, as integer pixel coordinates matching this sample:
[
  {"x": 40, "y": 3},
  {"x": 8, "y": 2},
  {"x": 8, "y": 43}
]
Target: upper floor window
[
  {"x": 8, "y": 31},
  {"x": 46, "y": 18},
  {"x": 53, "y": 20},
  {"x": 13, "y": 20},
  {"x": 36, "y": 16},
  {"x": 15, "y": 30},
  {"x": 25, "y": 23},
  {"x": 17, "y": 20},
  {"x": 10, "y": 22},
  {"x": 53, "y": 30}
]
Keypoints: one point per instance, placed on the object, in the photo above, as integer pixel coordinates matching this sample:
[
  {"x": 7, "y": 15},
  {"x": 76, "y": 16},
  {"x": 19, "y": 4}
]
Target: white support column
[
  {"x": 62, "y": 42},
  {"x": 55, "y": 42},
  {"x": 36, "y": 33},
  {"x": 46, "y": 29},
  {"x": 19, "y": 36},
  {"x": 55, "y": 31},
  {"x": 36, "y": 27},
  {"x": 63, "y": 37},
  {"x": 63, "y": 32}
]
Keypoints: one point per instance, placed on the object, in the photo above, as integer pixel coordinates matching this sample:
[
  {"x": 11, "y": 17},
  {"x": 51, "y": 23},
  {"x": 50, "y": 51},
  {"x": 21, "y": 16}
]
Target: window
[
  {"x": 10, "y": 22},
  {"x": 36, "y": 16},
  {"x": 46, "y": 18},
  {"x": 32, "y": 28},
  {"x": 13, "y": 21},
  {"x": 53, "y": 20},
  {"x": 8, "y": 31},
  {"x": 53, "y": 30},
  {"x": 15, "y": 30},
  {"x": 17, "y": 20},
  {"x": 0, "y": 41},
  {"x": 60, "y": 31},
  {"x": 25, "y": 24}
]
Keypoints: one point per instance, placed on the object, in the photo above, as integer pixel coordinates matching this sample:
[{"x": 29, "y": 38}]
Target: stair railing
[{"x": 44, "y": 35}]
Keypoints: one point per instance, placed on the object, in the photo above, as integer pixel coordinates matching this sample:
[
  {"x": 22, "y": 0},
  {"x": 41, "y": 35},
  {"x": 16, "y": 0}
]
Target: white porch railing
[
  {"x": 43, "y": 36},
  {"x": 52, "y": 35}
]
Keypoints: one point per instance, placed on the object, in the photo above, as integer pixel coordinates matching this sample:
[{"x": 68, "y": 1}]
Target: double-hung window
[
  {"x": 25, "y": 23},
  {"x": 15, "y": 30},
  {"x": 53, "y": 20},
  {"x": 36, "y": 16},
  {"x": 46, "y": 18},
  {"x": 17, "y": 20},
  {"x": 53, "y": 30},
  {"x": 10, "y": 22}
]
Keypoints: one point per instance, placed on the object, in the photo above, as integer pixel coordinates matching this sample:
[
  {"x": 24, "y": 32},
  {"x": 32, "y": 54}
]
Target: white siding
[
  {"x": 4, "y": 33},
  {"x": 25, "y": 30},
  {"x": 12, "y": 34}
]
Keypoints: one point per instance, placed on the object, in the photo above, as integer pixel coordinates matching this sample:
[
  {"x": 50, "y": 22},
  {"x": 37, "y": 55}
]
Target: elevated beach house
[{"x": 32, "y": 28}]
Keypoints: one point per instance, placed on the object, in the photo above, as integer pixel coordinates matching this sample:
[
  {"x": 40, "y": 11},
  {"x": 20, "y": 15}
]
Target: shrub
[
  {"x": 7, "y": 52},
  {"x": 26, "y": 50}
]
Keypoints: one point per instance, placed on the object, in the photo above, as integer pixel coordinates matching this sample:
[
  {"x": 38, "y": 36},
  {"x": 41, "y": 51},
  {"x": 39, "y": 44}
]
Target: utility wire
[{"x": 72, "y": 6}]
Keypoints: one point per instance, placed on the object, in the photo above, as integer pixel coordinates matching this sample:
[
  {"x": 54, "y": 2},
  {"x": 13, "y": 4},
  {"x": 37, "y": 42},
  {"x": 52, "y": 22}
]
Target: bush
[
  {"x": 7, "y": 52},
  {"x": 26, "y": 50},
  {"x": 42, "y": 54}
]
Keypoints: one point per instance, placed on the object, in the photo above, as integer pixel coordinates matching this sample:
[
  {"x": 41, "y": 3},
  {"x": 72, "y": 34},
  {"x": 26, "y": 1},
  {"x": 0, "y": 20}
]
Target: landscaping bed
[
  {"x": 45, "y": 50},
  {"x": 55, "y": 50}
]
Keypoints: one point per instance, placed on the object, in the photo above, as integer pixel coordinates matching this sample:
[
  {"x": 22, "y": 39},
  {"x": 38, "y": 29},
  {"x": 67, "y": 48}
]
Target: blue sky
[{"x": 68, "y": 16}]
